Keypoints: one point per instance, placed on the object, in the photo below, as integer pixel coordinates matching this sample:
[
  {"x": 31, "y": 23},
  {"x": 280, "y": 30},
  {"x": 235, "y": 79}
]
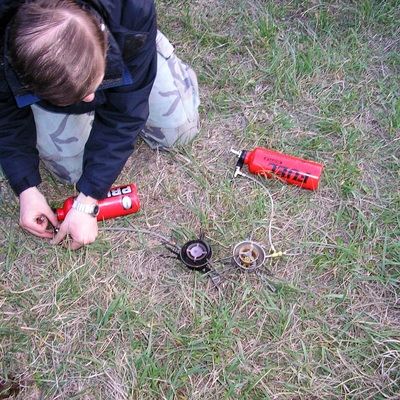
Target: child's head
[{"x": 58, "y": 50}]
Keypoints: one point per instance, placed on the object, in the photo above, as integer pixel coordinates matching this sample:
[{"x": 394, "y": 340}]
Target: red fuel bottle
[
  {"x": 120, "y": 200},
  {"x": 269, "y": 163}
]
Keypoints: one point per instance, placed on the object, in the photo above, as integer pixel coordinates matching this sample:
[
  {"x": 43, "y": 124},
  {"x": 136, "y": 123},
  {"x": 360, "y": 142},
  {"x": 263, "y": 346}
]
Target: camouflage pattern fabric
[
  {"x": 60, "y": 147},
  {"x": 174, "y": 100},
  {"x": 173, "y": 119}
]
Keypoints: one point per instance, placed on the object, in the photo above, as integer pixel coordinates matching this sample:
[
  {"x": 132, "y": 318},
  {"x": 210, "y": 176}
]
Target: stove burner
[
  {"x": 195, "y": 254},
  {"x": 248, "y": 255}
]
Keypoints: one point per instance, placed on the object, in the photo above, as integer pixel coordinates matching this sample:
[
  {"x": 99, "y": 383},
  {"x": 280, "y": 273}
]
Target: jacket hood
[
  {"x": 7, "y": 10},
  {"x": 9, "y": 5}
]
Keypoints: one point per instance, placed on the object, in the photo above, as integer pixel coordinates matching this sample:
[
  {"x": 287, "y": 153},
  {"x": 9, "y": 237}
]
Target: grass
[{"x": 121, "y": 319}]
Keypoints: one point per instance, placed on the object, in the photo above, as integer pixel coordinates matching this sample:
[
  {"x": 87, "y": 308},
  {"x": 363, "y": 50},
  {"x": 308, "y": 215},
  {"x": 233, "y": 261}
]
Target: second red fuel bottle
[{"x": 269, "y": 163}]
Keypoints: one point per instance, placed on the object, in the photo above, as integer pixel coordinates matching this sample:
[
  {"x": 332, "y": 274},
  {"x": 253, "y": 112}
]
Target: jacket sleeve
[
  {"x": 120, "y": 119},
  {"x": 19, "y": 158}
]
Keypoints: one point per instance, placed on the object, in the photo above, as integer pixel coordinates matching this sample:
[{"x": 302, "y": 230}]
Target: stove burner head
[
  {"x": 195, "y": 254},
  {"x": 248, "y": 255}
]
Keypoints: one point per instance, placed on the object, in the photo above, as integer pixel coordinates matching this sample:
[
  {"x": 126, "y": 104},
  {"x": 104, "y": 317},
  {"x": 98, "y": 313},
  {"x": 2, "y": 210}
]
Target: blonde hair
[{"x": 58, "y": 50}]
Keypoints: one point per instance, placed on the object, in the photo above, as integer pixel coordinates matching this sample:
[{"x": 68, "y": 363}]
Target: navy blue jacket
[{"x": 120, "y": 104}]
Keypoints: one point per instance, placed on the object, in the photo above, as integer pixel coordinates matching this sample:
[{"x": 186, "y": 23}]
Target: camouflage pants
[{"x": 173, "y": 118}]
